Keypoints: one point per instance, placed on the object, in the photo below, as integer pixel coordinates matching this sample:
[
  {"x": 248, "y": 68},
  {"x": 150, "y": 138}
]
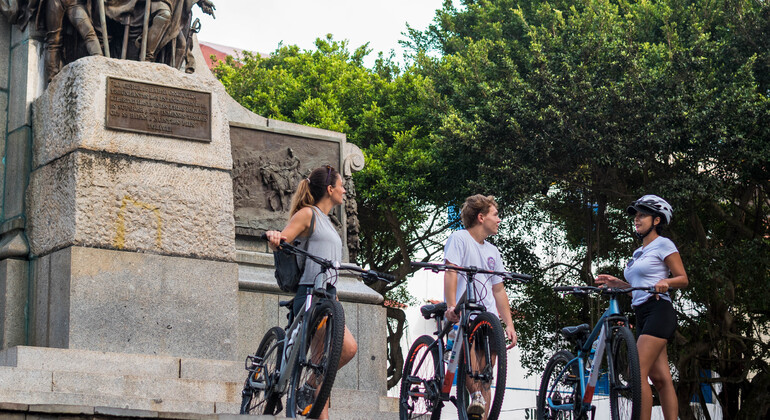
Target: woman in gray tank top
[{"x": 315, "y": 197}]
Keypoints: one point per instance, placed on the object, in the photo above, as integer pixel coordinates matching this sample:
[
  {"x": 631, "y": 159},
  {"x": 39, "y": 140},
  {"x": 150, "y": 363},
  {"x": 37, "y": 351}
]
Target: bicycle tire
[
  {"x": 423, "y": 364},
  {"x": 560, "y": 388},
  {"x": 327, "y": 324},
  {"x": 484, "y": 335},
  {"x": 625, "y": 384},
  {"x": 262, "y": 399}
]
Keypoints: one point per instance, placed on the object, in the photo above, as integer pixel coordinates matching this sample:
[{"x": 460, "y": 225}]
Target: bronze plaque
[
  {"x": 267, "y": 167},
  {"x": 157, "y": 109}
]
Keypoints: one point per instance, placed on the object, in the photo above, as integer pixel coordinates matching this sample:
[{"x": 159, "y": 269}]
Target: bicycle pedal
[{"x": 475, "y": 417}]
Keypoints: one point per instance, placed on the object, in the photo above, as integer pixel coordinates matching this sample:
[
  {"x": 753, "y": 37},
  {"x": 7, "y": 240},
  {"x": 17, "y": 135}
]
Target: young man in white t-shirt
[{"x": 468, "y": 248}]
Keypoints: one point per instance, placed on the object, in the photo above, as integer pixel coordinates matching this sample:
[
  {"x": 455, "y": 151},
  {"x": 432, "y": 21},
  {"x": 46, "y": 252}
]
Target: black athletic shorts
[
  {"x": 300, "y": 296},
  {"x": 656, "y": 317}
]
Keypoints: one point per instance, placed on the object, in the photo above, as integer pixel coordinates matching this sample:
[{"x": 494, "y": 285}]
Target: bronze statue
[{"x": 152, "y": 30}]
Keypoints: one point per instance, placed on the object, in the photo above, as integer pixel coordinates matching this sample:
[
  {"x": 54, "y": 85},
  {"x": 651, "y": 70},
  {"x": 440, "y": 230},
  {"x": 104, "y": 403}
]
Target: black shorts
[
  {"x": 299, "y": 297},
  {"x": 656, "y": 317}
]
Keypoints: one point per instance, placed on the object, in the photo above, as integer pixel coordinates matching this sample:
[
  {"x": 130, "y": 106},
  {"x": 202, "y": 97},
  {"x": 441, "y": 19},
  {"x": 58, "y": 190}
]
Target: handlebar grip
[
  {"x": 525, "y": 277},
  {"x": 564, "y": 288},
  {"x": 385, "y": 276},
  {"x": 264, "y": 235},
  {"x": 422, "y": 264}
]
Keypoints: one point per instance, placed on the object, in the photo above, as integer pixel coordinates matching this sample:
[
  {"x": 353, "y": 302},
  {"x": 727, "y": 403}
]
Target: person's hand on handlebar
[
  {"x": 610, "y": 281},
  {"x": 274, "y": 239},
  {"x": 661, "y": 287}
]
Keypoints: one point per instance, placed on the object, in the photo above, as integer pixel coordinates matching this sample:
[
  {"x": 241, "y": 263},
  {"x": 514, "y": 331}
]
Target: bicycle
[
  {"x": 424, "y": 384},
  {"x": 564, "y": 387},
  {"x": 307, "y": 362}
]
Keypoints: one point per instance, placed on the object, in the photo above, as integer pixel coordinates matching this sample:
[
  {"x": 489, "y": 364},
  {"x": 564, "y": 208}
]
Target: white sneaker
[{"x": 477, "y": 406}]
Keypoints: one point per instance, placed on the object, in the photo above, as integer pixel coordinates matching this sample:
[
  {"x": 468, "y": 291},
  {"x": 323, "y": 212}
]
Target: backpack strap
[{"x": 301, "y": 258}]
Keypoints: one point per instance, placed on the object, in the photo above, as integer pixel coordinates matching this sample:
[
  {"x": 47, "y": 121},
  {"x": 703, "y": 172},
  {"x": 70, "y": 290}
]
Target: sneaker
[
  {"x": 305, "y": 399},
  {"x": 477, "y": 406}
]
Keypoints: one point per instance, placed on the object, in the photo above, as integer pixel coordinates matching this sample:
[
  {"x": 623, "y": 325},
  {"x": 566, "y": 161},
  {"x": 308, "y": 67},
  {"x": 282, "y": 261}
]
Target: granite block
[
  {"x": 14, "y": 276},
  {"x": 12, "y": 378},
  {"x": 92, "y": 362},
  {"x": 41, "y": 272},
  {"x": 17, "y": 171},
  {"x": 141, "y": 303},
  {"x": 212, "y": 370},
  {"x": 70, "y": 115},
  {"x": 372, "y": 348},
  {"x": 26, "y": 83},
  {"x": 115, "y": 202}
]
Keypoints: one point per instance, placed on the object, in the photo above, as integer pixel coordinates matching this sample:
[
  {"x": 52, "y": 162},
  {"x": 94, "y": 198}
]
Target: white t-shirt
[
  {"x": 646, "y": 268},
  {"x": 461, "y": 249}
]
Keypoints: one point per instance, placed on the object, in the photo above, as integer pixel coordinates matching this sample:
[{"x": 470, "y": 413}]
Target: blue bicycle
[{"x": 569, "y": 381}]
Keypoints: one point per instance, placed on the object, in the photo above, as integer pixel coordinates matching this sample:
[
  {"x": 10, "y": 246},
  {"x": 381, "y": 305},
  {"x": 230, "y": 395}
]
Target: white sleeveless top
[{"x": 324, "y": 242}]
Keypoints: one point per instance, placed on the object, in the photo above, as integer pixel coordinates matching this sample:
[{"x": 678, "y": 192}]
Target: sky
[{"x": 259, "y": 25}]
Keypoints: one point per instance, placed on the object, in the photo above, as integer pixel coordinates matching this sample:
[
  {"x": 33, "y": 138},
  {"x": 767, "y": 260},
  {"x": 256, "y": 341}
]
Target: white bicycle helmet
[{"x": 652, "y": 204}]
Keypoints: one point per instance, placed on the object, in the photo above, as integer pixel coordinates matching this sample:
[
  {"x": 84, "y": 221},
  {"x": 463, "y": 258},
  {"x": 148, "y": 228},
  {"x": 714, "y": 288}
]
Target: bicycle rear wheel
[
  {"x": 487, "y": 366},
  {"x": 258, "y": 396},
  {"x": 625, "y": 383},
  {"x": 420, "y": 387},
  {"x": 560, "y": 386},
  {"x": 322, "y": 350}
]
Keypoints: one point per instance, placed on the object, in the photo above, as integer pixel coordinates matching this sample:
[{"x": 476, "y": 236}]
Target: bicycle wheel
[
  {"x": 420, "y": 387},
  {"x": 625, "y": 383},
  {"x": 258, "y": 396},
  {"x": 487, "y": 365},
  {"x": 560, "y": 386},
  {"x": 312, "y": 380}
]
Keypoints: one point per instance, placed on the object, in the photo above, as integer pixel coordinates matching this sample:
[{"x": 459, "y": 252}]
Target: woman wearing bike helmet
[
  {"x": 656, "y": 264},
  {"x": 314, "y": 199}
]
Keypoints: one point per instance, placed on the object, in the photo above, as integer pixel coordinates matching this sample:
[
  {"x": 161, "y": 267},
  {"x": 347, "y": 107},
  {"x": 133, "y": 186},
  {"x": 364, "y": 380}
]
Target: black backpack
[{"x": 289, "y": 267}]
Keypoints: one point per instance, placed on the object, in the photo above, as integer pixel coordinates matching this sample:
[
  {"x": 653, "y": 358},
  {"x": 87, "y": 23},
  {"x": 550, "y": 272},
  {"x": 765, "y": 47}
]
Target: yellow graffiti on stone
[{"x": 120, "y": 237}]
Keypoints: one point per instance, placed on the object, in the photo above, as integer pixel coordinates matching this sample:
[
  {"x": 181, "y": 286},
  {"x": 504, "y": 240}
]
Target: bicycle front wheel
[
  {"x": 486, "y": 369},
  {"x": 625, "y": 384},
  {"x": 313, "y": 378},
  {"x": 420, "y": 387},
  {"x": 560, "y": 387},
  {"x": 258, "y": 396}
]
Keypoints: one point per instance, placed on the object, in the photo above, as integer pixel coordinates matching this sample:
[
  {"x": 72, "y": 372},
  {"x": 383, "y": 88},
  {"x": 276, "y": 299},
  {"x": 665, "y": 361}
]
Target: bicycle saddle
[
  {"x": 575, "y": 331},
  {"x": 433, "y": 310}
]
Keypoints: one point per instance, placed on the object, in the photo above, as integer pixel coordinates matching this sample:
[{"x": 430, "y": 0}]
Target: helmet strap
[{"x": 641, "y": 236}]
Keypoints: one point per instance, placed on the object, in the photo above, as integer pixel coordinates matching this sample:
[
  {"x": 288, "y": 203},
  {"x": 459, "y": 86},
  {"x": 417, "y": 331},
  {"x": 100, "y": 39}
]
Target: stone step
[
  {"x": 73, "y": 379},
  {"x": 86, "y": 361}
]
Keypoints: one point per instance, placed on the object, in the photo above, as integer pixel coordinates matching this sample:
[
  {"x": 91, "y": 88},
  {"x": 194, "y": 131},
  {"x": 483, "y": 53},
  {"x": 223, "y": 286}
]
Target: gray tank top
[{"x": 324, "y": 242}]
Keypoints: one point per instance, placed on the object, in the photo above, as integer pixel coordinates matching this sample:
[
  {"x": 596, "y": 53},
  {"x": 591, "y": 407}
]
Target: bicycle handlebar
[
  {"x": 369, "y": 276},
  {"x": 603, "y": 290},
  {"x": 474, "y": 270}
]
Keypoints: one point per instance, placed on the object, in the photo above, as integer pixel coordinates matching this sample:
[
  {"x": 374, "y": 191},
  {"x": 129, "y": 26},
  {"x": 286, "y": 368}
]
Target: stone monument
[{"x": 133, "y": 198}]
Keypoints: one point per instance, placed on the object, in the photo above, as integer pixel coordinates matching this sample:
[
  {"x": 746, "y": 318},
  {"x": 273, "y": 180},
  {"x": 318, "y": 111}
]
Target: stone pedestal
[{"x": 132, "y": 235}]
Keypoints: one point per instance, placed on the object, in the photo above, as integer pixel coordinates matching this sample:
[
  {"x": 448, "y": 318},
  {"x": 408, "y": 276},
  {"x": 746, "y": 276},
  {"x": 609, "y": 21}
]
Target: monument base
[{"x": 97, "y": 299}]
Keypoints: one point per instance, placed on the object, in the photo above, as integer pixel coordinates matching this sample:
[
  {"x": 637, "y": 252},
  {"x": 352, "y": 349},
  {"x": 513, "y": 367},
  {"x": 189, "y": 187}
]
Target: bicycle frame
[
  {"x": 600, "y": 333},
  {"x": 470, "y": 308}
]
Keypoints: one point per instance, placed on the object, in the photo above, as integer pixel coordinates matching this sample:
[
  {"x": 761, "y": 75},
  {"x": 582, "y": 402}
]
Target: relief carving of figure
[{"x": 281, "y": 178}]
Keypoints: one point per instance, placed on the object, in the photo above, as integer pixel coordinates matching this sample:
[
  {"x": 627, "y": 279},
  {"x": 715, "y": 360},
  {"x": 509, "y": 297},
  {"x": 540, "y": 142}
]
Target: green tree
[
  {"x": 389, "y": 114},
  {"x": 569, "y": 110}
]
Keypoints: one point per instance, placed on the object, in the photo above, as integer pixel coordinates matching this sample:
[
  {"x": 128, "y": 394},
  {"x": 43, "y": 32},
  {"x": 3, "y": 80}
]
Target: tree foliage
[{"x": 569, "y": 110}]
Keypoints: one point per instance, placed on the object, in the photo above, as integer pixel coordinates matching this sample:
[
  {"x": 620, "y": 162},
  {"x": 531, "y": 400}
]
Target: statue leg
[
  {"x": 54, "y": 19},
  {"x": 160, "y": 22},
  {"x": 80, "y": 20},
  {"x": 181, "y": 48}
]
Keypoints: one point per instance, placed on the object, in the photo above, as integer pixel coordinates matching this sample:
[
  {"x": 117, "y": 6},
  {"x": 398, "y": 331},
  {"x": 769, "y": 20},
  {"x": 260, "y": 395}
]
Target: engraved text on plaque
[{"x": 156, "y": 109}]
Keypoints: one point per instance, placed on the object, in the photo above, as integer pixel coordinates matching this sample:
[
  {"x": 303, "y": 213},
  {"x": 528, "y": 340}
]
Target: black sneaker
[{"x": 305, "y": 399}]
